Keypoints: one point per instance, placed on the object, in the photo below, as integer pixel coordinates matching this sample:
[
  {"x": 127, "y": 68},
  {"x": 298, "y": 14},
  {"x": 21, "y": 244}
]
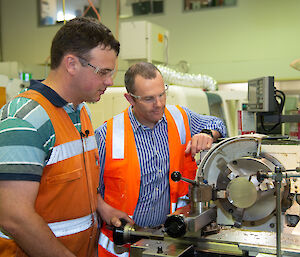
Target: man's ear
[
  {"x": 129, "y": 98},
  {"x": 71, "y": 63}
]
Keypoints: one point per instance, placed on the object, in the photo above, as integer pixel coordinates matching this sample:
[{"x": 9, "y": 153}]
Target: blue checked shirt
[{"x": 153, "y": 152}]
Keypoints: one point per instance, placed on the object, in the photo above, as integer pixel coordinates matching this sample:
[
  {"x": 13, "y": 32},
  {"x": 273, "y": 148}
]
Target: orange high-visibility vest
[
  {"x": 67, "y": 195},
  {"x": 122, "y": 173}
]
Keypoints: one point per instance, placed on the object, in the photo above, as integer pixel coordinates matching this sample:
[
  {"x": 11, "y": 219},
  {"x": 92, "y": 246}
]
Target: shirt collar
[
  {"x": 51, "y": 95},
  {"x": 137, "y": 125}
]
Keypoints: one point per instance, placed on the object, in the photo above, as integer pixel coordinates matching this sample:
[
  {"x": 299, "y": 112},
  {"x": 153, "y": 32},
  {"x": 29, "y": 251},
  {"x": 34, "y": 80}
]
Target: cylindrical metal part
[
  {"x": 241, "y": 192},
  {"x": 199, "y": 195},
  {"x": 128, "y": 233}
]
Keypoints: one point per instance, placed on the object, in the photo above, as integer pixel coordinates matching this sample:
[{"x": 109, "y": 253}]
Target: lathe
[{"x": 244, "y": 201}]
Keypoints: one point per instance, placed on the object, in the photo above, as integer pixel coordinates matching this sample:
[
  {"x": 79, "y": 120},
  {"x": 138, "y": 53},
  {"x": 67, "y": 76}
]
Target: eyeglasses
[
  {"x": 103, "y": 73},
  {"x": 151, "y": 99}
]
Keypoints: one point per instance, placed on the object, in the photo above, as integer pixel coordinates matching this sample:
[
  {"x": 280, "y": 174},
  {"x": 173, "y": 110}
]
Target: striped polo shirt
[
  {"x": 153, "y": 154},
  {"x": 27, "y": 135}
]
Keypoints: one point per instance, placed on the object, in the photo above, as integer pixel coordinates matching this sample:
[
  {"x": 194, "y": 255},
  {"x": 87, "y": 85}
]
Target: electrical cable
[
  {"x": 91, "y": 5},
  {"x": 95, "y": 10},
  {"x": 282, "y": 97},
  {"x": 86, "y": 10},
  {"x": 64, "y": 10},
  {"x": 279, "y": 110}
]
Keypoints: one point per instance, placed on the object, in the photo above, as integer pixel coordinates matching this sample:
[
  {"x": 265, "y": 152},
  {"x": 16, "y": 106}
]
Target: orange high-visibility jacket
[
  {"x": 122, "y": 173},
  {"x": 67, "y": 194}
]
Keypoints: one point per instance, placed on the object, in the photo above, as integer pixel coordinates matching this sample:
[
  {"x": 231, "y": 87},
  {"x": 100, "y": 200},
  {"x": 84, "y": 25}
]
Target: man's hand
[
  {"x": 201, "y": 141},
  {"x": 111, "y": 215}
]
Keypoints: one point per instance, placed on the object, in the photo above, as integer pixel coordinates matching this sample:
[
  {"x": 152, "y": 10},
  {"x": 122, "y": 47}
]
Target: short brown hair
[
  {"x": 145, "y": 69},
  {"x": 78, "y": 36}
]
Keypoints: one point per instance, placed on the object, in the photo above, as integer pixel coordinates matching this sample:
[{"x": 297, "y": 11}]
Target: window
[{"x": 51, "y": 11}]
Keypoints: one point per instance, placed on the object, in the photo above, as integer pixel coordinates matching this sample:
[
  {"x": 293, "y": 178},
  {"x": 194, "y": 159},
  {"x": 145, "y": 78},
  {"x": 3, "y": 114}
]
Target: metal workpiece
[
  {"x": 128, "y": 233},
  {"x": 241, "y": 192}
]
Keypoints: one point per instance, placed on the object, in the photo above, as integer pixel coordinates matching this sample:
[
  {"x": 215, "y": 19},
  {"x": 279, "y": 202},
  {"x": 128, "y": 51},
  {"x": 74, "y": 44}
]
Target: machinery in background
[
  {"x": 225, "y": 105},
  {"x": 9, "y": 88},
  {"x": 243, "y": 202},
  {"x": 191, "y": 97},
  {"x": 264, "y": 111},
  {"x": 291, "y": 107},
  {"x": 143, "y": 40},
  {"x": 13, "y": 79}
]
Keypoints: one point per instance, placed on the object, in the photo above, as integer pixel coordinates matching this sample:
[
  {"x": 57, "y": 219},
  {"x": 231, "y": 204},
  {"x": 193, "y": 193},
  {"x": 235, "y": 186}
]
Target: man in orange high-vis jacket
[
  {"x": 49, "y": 163},
  {"x": 140, "y": 148}
]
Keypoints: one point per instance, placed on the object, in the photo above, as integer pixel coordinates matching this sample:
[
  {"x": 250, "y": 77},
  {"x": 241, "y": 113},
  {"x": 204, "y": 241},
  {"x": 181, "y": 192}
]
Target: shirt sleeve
[
  {"x": 24, "y": 129},
  {"x": 199, "y": 122},
  {"x": 100, "y": 135}
]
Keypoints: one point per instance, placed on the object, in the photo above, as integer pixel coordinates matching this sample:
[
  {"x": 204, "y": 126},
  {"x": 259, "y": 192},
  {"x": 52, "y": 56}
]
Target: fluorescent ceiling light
[{"x": 60, "y": 16}]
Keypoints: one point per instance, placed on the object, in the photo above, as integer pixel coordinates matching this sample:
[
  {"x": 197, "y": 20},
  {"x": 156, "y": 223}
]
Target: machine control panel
[{"x": 261, "y": 95}]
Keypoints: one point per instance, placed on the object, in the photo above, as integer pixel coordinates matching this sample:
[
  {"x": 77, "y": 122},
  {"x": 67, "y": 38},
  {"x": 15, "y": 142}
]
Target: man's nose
[
  {"x": 158, "y": 100},
  {"x": 109, "y": 81}
]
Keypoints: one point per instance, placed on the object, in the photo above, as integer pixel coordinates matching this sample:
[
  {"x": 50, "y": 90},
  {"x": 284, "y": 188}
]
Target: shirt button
[{"x": 157, "y": 189}]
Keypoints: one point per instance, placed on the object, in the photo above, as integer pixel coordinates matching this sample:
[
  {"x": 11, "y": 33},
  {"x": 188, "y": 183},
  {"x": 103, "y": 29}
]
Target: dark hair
[
  {"x": 145, "y": 69},
  {"x": 78, "y": 36}
]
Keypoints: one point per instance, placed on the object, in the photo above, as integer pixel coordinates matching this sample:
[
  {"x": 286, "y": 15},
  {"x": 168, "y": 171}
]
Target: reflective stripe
[
  {"x": 105, "y": 242},
  {"x": 68, "y": 227},
  {"x": 90, "y": 143},
  {"x": 177, "y": 116},
  {"x": 173, "y": 207},
  {"x": 2, "y": 235},
  {"x": 118, "y": 137},
  {"x": 71, "y": 149},
  {"x": 181, "y": 201}
]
